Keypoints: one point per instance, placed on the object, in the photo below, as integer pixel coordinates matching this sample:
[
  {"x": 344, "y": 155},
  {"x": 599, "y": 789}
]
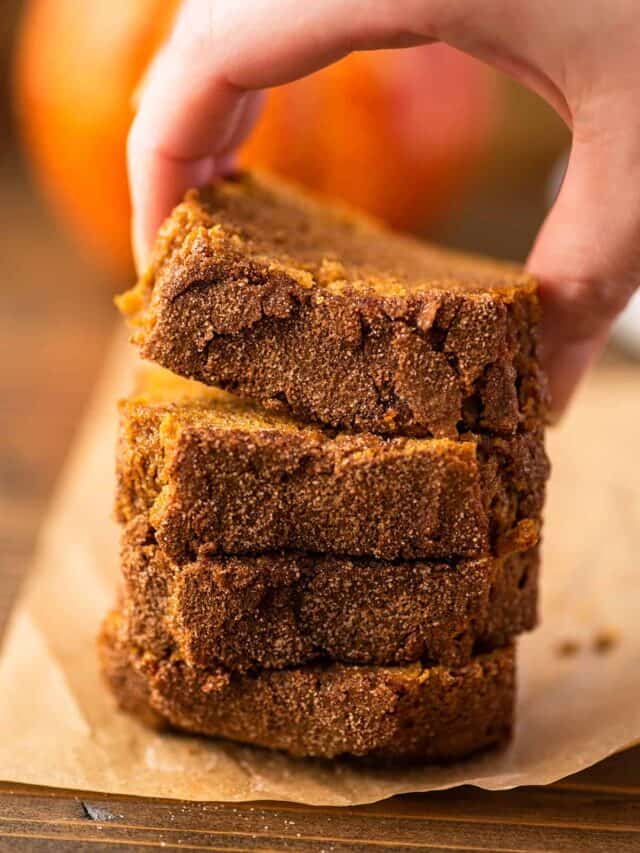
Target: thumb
[{"x": 587, "y": 255}]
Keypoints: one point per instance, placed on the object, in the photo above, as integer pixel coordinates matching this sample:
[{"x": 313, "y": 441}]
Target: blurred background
[{"x": 426, "y": 139}]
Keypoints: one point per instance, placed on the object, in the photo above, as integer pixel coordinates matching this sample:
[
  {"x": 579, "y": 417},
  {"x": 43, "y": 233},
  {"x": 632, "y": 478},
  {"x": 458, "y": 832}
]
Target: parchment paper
[{"x": 579, "y": 697}]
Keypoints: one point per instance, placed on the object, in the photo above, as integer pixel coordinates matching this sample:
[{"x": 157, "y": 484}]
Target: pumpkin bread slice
[
  {"x": 405, "y": 712},
  {"x": 290, "y": 609},
  {"x": 260, "y": 289},
  {"x": 211, "y": 471}
]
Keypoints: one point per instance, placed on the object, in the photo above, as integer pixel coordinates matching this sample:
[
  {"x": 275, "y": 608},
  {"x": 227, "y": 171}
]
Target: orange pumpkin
[{"x": 394, "y": 132}]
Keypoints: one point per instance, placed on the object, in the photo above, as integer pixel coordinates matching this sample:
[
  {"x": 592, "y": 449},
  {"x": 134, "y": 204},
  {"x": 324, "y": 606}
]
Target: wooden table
[{"x": 55, "y": 320}]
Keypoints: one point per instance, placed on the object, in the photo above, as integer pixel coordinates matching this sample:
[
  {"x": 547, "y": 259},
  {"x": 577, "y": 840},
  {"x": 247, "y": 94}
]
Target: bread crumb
[
  {"x": 605, "y": 641},
  {"x": 567, "y": 648}
]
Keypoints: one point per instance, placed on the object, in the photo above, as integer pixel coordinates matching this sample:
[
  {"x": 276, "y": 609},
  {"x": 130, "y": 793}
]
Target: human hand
[{"x": 203, "y": 96}]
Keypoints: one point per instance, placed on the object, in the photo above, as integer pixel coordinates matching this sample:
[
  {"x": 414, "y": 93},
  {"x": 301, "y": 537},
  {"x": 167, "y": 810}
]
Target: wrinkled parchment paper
[{"x": 579, "y": 697}]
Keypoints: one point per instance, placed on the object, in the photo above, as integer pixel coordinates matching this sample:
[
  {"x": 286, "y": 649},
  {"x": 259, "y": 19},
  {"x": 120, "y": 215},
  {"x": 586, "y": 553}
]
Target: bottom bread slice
[{"x": 398, "y": 712}]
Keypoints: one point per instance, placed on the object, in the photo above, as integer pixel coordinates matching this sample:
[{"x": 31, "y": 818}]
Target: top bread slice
[{"x": 304, "y": 307}]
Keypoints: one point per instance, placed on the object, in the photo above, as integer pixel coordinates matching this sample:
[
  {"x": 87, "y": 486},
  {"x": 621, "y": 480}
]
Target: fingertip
[
  {"x": 138, "y": 196},
  {"x": 140, "y": 246},
  {"x": 158, "y": 182}
]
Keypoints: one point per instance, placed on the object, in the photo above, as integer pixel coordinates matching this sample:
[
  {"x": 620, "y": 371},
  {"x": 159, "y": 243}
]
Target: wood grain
[
  {"x": 570, "y": 817},
  {"x": 55, "y": 320}
]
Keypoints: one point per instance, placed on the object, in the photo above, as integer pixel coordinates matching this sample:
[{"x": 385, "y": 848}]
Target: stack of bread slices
[{"x": 330, "y": 539}]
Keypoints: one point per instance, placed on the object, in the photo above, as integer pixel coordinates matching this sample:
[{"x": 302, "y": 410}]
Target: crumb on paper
[
  {"x": 567, "y": 648},
  {"x": 605, "y": 641}
]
